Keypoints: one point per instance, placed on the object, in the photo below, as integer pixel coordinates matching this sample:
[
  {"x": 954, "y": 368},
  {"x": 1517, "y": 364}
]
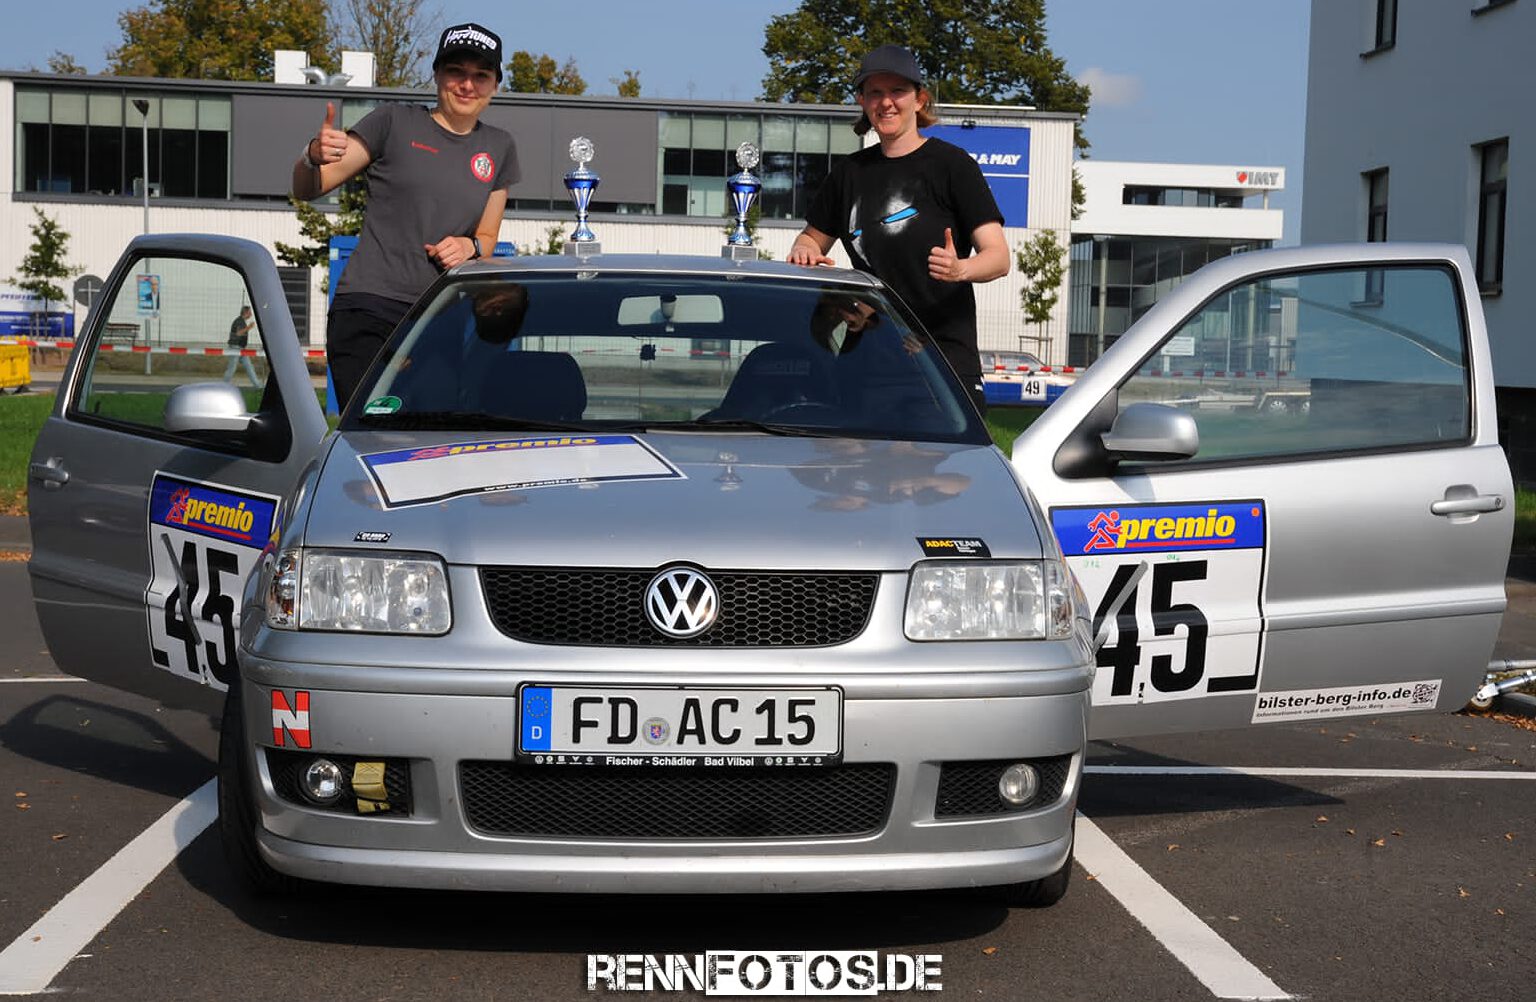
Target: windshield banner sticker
[
  {"x": 1175, "y": 591},
  {"x": 204, "y": 542},
  {"x": 435, "y": 473}
]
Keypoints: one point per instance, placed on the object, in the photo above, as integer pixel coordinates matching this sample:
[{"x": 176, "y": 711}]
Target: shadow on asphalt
[
  {"x": 109, "y": 742},
  {"x": 1108, "y": 796}
]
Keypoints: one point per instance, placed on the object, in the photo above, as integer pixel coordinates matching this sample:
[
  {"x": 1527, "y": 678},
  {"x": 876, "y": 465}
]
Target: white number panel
[
  {"x": 204, "y": 541},
  {"x": 1175, "y": 591}
]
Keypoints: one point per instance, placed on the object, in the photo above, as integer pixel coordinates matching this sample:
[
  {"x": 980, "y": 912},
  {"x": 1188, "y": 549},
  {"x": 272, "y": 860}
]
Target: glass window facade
[
  {"x": 1493, "y": 166},
  {"x": 1205, "y": 198},
  {"x": 1115, "y": 280},
  {"x": 74, "y": 141},
  {"x": 697, "y": 154}
]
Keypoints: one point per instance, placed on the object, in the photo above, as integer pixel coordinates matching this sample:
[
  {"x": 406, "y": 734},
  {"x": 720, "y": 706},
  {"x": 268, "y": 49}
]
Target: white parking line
[
  {"x": 36, "y": 957},
  {"x": 45, "y": 678},
  {"x": 1194, "y": 944},
  {"x": 1233, "y": 770}
]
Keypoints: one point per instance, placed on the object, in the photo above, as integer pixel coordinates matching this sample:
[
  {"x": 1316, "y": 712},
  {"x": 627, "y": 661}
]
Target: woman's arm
[
  {"x": 454, "y": 250},
  {"x": 338, "y": 158},
  {"x": 989, "y": 257},
  {"x": 810, "y": 248}
]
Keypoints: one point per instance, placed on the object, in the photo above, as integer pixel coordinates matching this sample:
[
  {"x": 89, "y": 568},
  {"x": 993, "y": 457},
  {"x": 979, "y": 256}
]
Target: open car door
[
  {"x": 143, "y": 535},
  {"x": 1283, "y": 494}
]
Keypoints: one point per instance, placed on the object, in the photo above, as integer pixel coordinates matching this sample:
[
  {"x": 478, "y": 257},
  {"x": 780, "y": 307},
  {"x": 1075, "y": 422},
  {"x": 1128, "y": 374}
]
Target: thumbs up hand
[
  {"x": 944, "y": 265},
  {"x": 330, "y": 143}
]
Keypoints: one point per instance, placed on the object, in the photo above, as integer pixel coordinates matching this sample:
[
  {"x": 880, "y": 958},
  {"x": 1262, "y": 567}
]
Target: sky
[{"x": 1174, "y": 81}]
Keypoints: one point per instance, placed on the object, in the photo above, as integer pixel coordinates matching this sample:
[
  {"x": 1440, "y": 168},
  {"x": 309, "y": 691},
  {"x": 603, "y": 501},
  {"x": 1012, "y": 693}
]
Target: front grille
[
  {"x": 684, "y": 803},
  {"x": 605, "y": 608},
  {"x": 287, "y": 767},
  {"x": 968, "y": 789}
]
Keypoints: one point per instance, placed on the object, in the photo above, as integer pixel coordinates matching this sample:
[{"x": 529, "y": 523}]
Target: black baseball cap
[
  {"x": 897, "y": 59},
  {"x": 470, "y": 39}
]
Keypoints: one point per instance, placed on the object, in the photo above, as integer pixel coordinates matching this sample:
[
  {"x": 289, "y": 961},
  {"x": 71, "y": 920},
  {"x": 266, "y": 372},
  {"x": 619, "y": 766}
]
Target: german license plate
[{"x": 573, "y": 725}]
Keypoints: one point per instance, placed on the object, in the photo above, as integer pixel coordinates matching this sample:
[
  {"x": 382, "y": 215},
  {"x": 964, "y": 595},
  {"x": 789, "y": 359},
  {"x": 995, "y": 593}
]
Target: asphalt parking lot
[{"x": 1356, "y": 859}]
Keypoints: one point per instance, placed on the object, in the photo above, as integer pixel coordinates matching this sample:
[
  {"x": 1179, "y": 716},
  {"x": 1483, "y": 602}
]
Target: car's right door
[{"x": 1336, "y": 544}]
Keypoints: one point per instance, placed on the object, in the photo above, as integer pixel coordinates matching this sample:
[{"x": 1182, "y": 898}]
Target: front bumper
[{"x": 1012, "y": 715}]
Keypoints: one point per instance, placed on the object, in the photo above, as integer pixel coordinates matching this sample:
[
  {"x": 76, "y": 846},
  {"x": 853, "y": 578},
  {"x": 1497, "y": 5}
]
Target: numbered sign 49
[
  {"x": 1176, "y": 593},
  {"x": 204, "y": 541}
]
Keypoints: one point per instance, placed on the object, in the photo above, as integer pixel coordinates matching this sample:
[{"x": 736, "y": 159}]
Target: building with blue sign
[{"x": 221, "y": 156}]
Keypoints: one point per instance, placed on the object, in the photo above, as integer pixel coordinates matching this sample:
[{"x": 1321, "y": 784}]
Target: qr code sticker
[{"x": 1424, "y": 692}]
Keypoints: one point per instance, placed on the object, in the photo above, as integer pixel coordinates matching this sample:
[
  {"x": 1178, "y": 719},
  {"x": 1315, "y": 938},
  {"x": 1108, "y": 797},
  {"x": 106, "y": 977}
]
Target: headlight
[
  {"x": 367, "y": 593},
  {"x": 989, "y": 600}
]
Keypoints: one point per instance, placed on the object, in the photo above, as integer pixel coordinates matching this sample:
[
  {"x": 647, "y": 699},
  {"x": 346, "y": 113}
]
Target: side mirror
[
  {"x": 1151, "y": 432},
  {"x": 206, "y": 407}
]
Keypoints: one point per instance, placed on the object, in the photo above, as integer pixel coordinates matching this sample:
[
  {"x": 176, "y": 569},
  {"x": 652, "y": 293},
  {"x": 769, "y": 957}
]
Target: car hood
[{"x": 643, "y": 500}]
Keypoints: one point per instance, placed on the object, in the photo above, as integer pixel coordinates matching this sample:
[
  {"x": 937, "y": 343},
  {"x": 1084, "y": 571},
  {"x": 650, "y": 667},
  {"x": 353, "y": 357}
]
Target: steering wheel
[{"x": 782, "y": 413}]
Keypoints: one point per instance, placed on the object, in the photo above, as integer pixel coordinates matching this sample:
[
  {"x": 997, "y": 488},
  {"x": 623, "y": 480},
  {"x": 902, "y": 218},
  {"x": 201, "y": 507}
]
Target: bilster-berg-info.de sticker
[
  {"x": 204, "y": 541},
  {"x": 1175, "y": 592},
  {"x": 1346, "y": 700},
  {"x": 436, "y": 473}
]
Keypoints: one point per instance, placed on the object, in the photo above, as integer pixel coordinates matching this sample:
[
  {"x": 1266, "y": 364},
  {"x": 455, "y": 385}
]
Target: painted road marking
[
  {"x": 45, "y": 678},
  {"x": 36, "y": 957},
  {"x": 1232, "y": 770},
  {"x": 1194, "y": 944}
]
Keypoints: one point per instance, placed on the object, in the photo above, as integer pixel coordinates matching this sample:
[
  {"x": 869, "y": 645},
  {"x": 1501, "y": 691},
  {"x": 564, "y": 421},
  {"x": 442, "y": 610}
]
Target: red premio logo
[
  {"x": 1242, "y": 177},
  {"x": 292, "y": 721},
  {"x": 482, "y": 166}
]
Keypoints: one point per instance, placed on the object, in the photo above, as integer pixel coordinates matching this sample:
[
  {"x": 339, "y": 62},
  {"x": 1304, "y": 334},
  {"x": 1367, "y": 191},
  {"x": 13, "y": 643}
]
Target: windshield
[{"x": 583, "y": 350}]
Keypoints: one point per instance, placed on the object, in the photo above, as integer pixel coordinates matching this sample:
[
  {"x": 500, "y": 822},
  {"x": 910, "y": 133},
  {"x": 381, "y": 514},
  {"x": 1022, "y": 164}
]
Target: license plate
[{"x": 573, "y": 725}]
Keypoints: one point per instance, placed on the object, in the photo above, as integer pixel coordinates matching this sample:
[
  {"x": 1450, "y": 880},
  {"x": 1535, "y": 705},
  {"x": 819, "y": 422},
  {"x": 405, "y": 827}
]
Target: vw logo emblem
[{"x": 681, "y": 602}]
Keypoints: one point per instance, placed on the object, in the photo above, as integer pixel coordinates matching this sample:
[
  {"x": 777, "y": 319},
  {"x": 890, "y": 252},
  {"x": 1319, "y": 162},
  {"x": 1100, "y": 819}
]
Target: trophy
[
  {"x": 581, "y": 183},
  {"x": 743, "y": 187}
]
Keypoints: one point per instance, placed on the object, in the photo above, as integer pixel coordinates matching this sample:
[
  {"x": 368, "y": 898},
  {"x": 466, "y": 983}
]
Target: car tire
[
  {"x": 1041, "y": 893},
  {"x": 237, "y": 809}
]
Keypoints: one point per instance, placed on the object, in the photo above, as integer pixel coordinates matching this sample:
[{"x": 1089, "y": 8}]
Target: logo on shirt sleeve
[{"x": 482, "y": 166}]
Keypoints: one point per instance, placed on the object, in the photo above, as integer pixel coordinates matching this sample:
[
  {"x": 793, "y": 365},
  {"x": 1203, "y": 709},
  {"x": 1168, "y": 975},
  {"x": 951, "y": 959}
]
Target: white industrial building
[
  {"x": 1145, "y": 227},
  {"x": 221, "y": 153},
  {"x": 1420, "y": 127}
]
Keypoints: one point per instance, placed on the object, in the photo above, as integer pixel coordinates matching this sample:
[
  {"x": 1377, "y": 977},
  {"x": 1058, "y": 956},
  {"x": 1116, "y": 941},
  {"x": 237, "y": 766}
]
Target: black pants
[{"x": 358, "y": 326}]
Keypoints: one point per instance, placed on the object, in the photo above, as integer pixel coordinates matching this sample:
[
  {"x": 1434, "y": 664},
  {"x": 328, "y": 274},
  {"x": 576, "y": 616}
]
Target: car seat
[
  {"x": 537, "y": 385},
  {"x": 774, "y": 377}
]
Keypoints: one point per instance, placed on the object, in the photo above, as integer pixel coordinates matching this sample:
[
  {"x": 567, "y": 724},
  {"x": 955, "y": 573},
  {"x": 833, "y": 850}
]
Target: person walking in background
[
  {"x": 239, "y": 338},
  {"x": 914, "y": 212},
  {"x": 437, "y": 189}
]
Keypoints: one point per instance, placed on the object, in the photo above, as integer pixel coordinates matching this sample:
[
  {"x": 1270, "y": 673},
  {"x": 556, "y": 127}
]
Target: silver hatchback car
[{"x": 687, "y": 575}]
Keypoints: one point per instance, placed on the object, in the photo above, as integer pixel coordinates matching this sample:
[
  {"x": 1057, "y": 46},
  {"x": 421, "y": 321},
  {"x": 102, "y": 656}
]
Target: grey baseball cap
[{"x": 897, "y": 59}]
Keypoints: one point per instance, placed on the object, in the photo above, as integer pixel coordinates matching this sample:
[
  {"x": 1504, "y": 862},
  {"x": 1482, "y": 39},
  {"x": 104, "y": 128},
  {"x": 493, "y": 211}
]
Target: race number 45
[
  {"x": 204, "y": 541},
  {"x": 1175, "y": 592}
]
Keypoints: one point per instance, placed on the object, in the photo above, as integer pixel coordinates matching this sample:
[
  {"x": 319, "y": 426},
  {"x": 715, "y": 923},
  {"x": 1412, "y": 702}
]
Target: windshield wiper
[
  {"x": 746, "y": 424},
  {"x": 464, "y": 420}
]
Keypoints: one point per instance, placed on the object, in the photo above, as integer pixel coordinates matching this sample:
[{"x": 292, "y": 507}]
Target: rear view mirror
[
  {"x": 1149, "y": 431},
  {"x": 206, "y": 407}
]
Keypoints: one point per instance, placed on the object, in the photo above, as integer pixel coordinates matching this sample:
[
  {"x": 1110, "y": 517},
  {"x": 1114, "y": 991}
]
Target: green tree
[
  {"x": 629, "y": 86},
  {"x": 64, "y": 63},
  {"x": 972, "y": 53},
  {"x": 318, "y": 227},
  {"x": 218, "y": 39},
  {"x": 401, "y": 34},
  {"x": 1041, "y": 265},
  {"x": 44, "y": 267},
  {"x": 538, "y": 74}
]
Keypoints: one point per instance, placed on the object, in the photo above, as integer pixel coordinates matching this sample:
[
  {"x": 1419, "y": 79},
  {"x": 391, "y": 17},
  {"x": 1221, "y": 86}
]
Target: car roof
[{"x": 672, "y": 264}]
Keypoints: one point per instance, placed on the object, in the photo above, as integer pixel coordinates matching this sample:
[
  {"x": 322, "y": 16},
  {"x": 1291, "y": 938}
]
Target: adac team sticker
[
  {"x": 949, "y": 546},
  {"x": 482, "y": 166}
]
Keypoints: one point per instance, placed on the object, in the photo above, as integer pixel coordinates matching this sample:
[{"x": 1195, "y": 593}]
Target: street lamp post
[{"x": 142, "y": 105}]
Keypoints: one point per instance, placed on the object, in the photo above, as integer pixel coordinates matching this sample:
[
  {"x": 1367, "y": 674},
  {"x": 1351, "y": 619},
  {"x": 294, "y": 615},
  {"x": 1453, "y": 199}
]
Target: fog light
[
  {"x": 1018, "y": 784},
  {"x": 322, "y": 782}
]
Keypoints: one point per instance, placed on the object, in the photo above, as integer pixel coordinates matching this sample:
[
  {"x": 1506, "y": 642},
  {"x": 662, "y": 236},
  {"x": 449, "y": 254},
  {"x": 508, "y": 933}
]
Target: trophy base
[
  {"x": 739, "y": 252},
  {"x": 583, "y": 248}
]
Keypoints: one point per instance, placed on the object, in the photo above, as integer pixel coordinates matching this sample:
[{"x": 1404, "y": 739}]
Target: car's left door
[{"x": 143, "y": 536}]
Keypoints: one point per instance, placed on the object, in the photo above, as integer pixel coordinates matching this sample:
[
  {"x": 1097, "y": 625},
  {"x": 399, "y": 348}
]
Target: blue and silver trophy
[
  {"x": 744, "y": 187},
  {"x": 581, "y": 183}
]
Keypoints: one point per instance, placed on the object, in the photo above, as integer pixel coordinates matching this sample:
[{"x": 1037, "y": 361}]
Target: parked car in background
[{"x": 1019, "y": 378}]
